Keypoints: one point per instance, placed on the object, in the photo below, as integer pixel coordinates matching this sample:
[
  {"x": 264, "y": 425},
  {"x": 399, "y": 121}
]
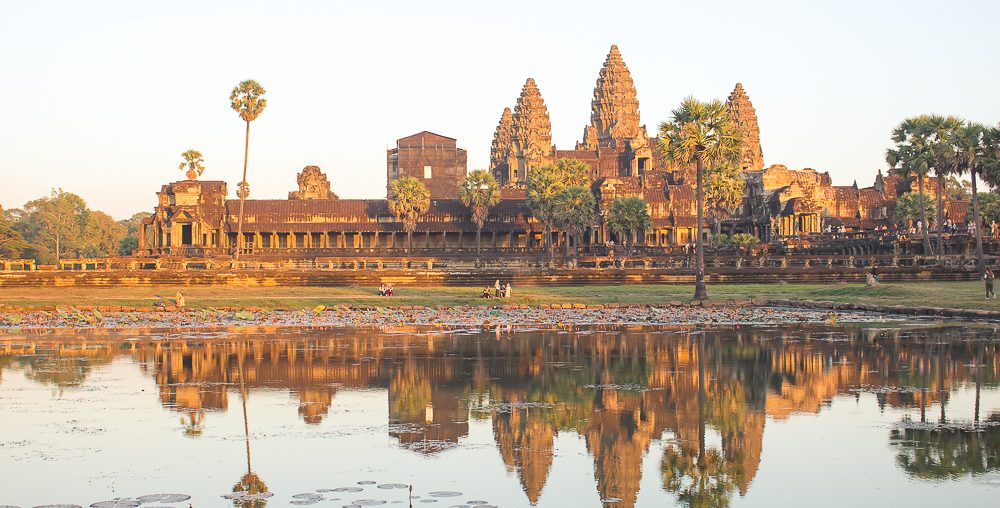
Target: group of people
[
  {"x": 385, "y": 289},
  {"x": 497, "y": 291}
]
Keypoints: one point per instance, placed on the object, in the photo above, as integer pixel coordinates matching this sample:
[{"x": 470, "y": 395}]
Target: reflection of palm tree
[
  {"x": 250, "y": 484},
  {"x": 948, "y": 452}
]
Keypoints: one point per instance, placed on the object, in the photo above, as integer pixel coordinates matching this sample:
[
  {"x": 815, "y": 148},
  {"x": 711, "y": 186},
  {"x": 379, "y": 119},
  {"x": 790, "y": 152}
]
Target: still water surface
[{"x": 741, "y": 416}]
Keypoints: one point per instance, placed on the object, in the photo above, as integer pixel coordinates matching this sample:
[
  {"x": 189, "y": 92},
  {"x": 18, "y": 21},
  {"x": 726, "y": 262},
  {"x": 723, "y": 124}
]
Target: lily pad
[
  {"x": 366, "y": 482},
  {"x": 117, "y": 503},
  {"x": 163, "y": 498},
  {"x": 347, "y": 489},
  {"x": 369, "y": 502},
  {"x": 393, "y": 486},
  {"x": 444, "y": 493}
]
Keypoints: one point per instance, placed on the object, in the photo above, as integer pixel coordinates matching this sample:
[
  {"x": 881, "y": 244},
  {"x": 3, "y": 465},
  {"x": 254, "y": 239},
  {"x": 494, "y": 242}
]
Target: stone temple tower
[
  {"x": 500, "y": 149},
  {"x": 742, "y": 113},
  {"x": 614, "y": 112},
  {"x": 530, "y": 138}
]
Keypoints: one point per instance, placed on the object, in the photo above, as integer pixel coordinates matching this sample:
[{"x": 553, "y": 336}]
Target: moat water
[{"x": 791, "y": 415}]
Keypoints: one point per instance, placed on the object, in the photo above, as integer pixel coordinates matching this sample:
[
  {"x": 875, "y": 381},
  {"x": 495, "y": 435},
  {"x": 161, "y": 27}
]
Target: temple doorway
[{"x": 186, "y": 234}]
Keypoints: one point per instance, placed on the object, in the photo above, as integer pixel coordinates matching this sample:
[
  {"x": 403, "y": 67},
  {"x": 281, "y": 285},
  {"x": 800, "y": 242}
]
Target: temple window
[{"x": 427, "y": 172}]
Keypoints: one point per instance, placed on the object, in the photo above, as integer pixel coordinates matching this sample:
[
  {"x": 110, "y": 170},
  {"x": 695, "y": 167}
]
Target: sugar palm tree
[
  {"x": 193, "y": 164},
  {"x": 972, "y": 149},
  {"x": 724, "y": 189},
  {"x": 628, "y": 216},
  {"x": 243, "y": 190},
  {"x": 247, "y": 99},
  {"x": 913, "y": 156},
  {"x": 545, "y": 182},
  {"x": 479, "y": 191},
  {"x": 408, "y": 200},
  {"x": 700, "y": 133},
  {"x": 942, "y": 128},
  {"x": 575, "y": 209}
]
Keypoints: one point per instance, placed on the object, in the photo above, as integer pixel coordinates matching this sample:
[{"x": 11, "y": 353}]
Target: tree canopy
[
  {"x": 59, "y": 225},
  {"x": 628, "y": 216}
]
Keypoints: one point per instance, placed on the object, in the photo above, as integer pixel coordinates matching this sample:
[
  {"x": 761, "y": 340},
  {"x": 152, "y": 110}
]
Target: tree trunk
[
  {"x": 980, "y": 263},
  {"x": 940, "y": 215},
  {"x": 479, "y": 233},
  {"x": 568, "y": 253},
  {"x": 58, "y": 252},
  {"x": 922, "y": 207},
  {"x": 700, "y": 292},
  {"x": 548, "y": 238},
  {"x": 409, "y": 242},
  {"x": 242, "y": 193}
]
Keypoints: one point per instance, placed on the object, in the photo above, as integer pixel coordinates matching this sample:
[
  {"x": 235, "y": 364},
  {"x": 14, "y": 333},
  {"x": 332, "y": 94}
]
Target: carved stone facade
[
  {"x": 500, "y": 149},
  {"x": 313, "y": 184},
  {"x": 614, "y": 112},
  {"x": 431, "y": 158},
  {"x": 624, "y": 162},
  {"x": 530, "y": 138},
  {"x": 742, "y": 113}
]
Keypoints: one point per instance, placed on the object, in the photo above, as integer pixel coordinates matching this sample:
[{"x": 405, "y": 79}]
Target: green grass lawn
[{"x": 960, "y": 295}]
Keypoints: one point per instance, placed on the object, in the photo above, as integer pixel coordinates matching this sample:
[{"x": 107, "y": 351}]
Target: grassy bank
[{"x": 958, "y": 295}]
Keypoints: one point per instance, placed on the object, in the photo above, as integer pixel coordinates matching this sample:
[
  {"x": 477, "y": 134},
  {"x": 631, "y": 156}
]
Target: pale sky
[{"x": 101, "y": 98}]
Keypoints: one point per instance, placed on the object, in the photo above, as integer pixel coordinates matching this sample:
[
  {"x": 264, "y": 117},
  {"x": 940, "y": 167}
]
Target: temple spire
[
  {"x": 614, "y": 111},
  {"x": 500, "y": 149},
  {"x": 742, "y": 113},
  {"x": 531, "y": 132}
]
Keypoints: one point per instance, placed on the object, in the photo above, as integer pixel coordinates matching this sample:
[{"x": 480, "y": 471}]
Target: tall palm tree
[
  {"x": 479, "y": 191},
  {"x": 971, "y": 143},
  {"x": 193, "y": 163},
  {"x": 544, "y": 184},
  {"x": 628, "y": 216},
  {"x": 700, "y": 133},
  {"x": 575, "y": 209},
  {"x": 408, "y": 200},
  {"x": 913, "y": 156},
  {"x": 942, "y": 128},
  {"x": 247, "y": 99}
]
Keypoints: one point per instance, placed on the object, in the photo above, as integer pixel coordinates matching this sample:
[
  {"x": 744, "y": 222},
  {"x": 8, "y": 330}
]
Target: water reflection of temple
[{"x": 619, "y": 391}]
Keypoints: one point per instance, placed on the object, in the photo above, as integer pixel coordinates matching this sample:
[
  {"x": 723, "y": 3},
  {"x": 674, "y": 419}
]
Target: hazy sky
[{"x": 100, "y": 98}]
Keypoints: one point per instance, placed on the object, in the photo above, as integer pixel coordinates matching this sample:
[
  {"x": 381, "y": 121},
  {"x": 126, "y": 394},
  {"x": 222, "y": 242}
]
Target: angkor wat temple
[{"x": 196, "y": 216}]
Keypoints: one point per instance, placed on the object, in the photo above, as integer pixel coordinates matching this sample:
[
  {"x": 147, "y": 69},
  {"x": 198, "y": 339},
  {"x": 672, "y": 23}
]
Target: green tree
[
  {"x": 974, "y": 145},
  {"x": 193, "y": 164},
  {"x": 989, "y": 207},
  {"x": 408, "y": 200},
  {"x": 57, "y": 221},
  {"x": 479, "y": 192},
  {"x": 130, "y": 242},
  {"x": 575, "y": 211},
  {"x": 913, "y": 157},
  {"x": 628, "y": 216},
  {"x": 702, "y": 134},
  {"x": 243, "y": 191},
  {"x": 544, "y": 184},
  {"x": 12, "y": 242},
  {"x": 724, "y": 189},
  {"x": 958, "y": 189},
  {"x": 102, "y": 235},
  {"x": 247, "y": 99},
  {"x": 908, "y": 208}
]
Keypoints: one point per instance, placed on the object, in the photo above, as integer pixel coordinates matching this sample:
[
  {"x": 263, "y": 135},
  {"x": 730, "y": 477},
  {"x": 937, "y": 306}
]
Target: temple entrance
[{"x": 186, "y": 234}]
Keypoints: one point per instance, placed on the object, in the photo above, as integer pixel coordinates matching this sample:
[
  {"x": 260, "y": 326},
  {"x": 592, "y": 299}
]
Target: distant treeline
[{"x": 60, "y": 226}]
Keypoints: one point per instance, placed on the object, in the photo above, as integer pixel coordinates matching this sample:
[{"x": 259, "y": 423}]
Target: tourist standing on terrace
[{"x": 988, "y": 278}]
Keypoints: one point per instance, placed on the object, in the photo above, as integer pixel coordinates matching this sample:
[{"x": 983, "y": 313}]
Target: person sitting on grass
[
  {"x": 381, "y": 289},
  {"x": 388, "y": 290},
  {"x": 486, "y": 292}
]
